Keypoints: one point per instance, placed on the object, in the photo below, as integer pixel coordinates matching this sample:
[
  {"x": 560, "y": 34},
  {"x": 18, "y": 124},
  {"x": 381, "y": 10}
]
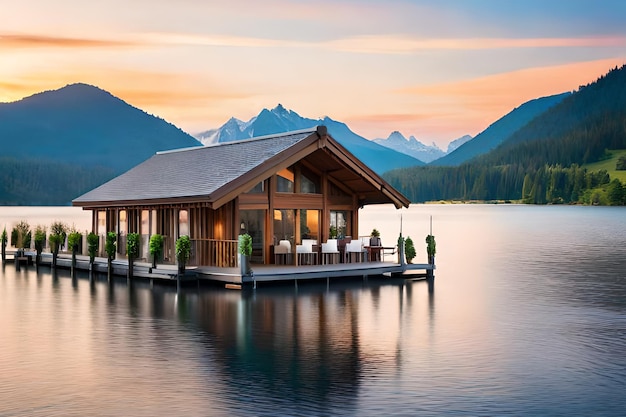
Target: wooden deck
[
  {"x": 277, "y": 273},
  {"x": 260, "y": 273}
]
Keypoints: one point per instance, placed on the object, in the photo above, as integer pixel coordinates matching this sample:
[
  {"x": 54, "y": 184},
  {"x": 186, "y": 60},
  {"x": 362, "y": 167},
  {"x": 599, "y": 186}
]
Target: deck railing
[
  {"x": 204, "y": 252},
  {"x": 214, "y": 252}
]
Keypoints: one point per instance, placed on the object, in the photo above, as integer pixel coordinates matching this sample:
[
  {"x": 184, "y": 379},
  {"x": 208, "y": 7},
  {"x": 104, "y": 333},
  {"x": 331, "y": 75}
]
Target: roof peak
[{"x": 253, "y": 139}]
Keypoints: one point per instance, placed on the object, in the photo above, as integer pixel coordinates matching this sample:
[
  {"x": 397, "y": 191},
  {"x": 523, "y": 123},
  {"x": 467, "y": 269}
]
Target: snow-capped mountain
[
  {"x": 279, "y": 119},
  {"x": 458, "y": 142},
  {"x": 412, "y": 147}
]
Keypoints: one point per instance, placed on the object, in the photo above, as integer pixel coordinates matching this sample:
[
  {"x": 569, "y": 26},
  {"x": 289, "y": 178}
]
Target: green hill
[{"x": 609, "y": 164}]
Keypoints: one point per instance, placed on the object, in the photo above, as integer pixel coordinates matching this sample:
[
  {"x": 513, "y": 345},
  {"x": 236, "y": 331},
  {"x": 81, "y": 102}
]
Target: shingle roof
[{"x": 193, "y": 172}]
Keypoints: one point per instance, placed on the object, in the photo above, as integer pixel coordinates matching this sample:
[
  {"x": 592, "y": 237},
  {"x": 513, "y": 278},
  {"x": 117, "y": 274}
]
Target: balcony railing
[
  {"x": 214, "y": 252},
  {"x": 204, "y": 252}
]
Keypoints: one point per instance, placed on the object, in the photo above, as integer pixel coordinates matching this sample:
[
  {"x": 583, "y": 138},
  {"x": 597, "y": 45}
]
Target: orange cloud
[
  {"x": 13, "y": 41},
  {"x": 445, "y": 111},
  {"x": 495, "y": 95}
]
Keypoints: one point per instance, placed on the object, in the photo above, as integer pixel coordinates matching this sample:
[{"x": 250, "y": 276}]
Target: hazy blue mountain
[
  {"x": 500, "y": 130},
  {"x": 279, "y": 119},
  {"x": 82, "y": 124},
  {"x": 452, "y": 146},
  {"x": 59, "y": 144},
  {"x": 411, "y": 146}
]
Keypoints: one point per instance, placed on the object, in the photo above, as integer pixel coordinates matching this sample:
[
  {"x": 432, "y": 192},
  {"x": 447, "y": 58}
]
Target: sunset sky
[{"x": 433, "y": 69}]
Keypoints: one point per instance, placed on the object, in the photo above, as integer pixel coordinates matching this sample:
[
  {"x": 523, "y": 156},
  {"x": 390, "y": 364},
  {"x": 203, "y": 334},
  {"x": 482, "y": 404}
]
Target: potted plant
[
  {"x": 21, "y": 237},
  {"x": 183, "y": 252},
  {"x": 110, "y": 249},
  {"x": 431, "y": 248},
  {"x": 58, "y": 232},
  {"x": 73, "y": 242},
  {"x": 245, "y": 251},
  {"x": 156, "y": 248},
  {"x": 40, "y": 241},
  {"x": 3, "y": 241},
  {"x": 409, "y": 250},
  {"x": 93, "y": 244},
  {"x": 132, "y": 250},
  {"x": 332, "y": 233},
  {"x": 375, "y": 238},
  {"x": 400, "y": 250}
]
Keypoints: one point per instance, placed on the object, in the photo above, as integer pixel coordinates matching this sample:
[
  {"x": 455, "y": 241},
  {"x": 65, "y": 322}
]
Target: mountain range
[
  {"x": 58, "y": 144},
  {"x": 279, "y": 119},
  {"x": 418, "y": 150}
]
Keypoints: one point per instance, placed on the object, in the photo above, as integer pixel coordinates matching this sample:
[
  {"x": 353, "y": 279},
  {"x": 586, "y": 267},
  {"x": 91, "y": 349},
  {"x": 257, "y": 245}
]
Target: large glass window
[
  {"x": 309, "y": 224},
  {"x": 309, "y": 184},
  {"x": 145, "y": 222},
  {"x": 122, "y": 223},
  {"x": 102, "y": 222},
  {"x": 153, "y": 223},
  {"x": 338, "y": 223},
  {"x": 284, "y": 225},
  {"x": 183, "y": 223},
  {"x": 284, "y": 181}
]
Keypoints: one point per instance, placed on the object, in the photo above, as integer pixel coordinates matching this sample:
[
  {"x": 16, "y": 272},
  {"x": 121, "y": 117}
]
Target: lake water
[{"x": 527, "y": 317}]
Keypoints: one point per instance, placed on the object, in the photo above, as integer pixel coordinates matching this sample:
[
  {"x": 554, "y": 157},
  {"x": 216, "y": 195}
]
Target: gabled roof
[{"x": 216, "y": 174}]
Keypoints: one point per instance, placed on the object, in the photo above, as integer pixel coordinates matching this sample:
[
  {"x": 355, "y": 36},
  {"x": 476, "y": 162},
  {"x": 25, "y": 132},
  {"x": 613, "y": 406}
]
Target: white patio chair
[
  {"x": 330, "y": 252},
  {"x": 282, "y": 253},
  {"x": 354, "y": 250}
]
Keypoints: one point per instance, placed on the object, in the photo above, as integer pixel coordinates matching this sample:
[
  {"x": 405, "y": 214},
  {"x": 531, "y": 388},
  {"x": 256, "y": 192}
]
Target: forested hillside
[
  {"x": 38, "y": 182},
  {"x": 500, "y": 130},
  {"x": 540, "y": 163}
]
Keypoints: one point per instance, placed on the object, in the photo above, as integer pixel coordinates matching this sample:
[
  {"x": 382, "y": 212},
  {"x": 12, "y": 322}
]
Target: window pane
[
  {"x": 183, "y": 223},
  {"x": 122, "y": 223},
  {"x": 309, "y": 184},
  {"x": 284, "y": 181},
  {"x": 284, "y": 225},
  {"x": 102, "y": 222},
  {"x": 145, "y": 222},
  {"x": 338, "y": 222},
  {"x": 259, "y": 188},
  {"x": 309, "y": 224}
]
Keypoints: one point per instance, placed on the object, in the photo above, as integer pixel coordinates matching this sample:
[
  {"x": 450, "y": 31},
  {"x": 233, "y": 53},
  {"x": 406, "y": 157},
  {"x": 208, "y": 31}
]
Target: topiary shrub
[
  {"x": 409, "y": 250},
  {"x": 431, "y": 248},
  {"x": 245, "y": 244},
  {"x": 40, "y": 242},
  {"x": 110, "y": 249},
  {"x": 21, "y": 236},
  {"x": 93, "y": 245},
  {"x": 183, "y": 252},
  {"x": 74, "y": 240},
  {"x": 58, "y": 232},
  {"x": 132, "y": 250},
  {"x": 156, "y": 248}
]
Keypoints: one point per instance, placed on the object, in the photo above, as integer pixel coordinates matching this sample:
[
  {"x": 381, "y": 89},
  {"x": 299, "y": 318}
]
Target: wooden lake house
[{"x": 292, "y": 192}]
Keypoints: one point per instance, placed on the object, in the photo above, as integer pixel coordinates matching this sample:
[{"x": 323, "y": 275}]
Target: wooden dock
[
  {"x": 260, "y": 273},
  {"x": 283, "y": 273}
]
